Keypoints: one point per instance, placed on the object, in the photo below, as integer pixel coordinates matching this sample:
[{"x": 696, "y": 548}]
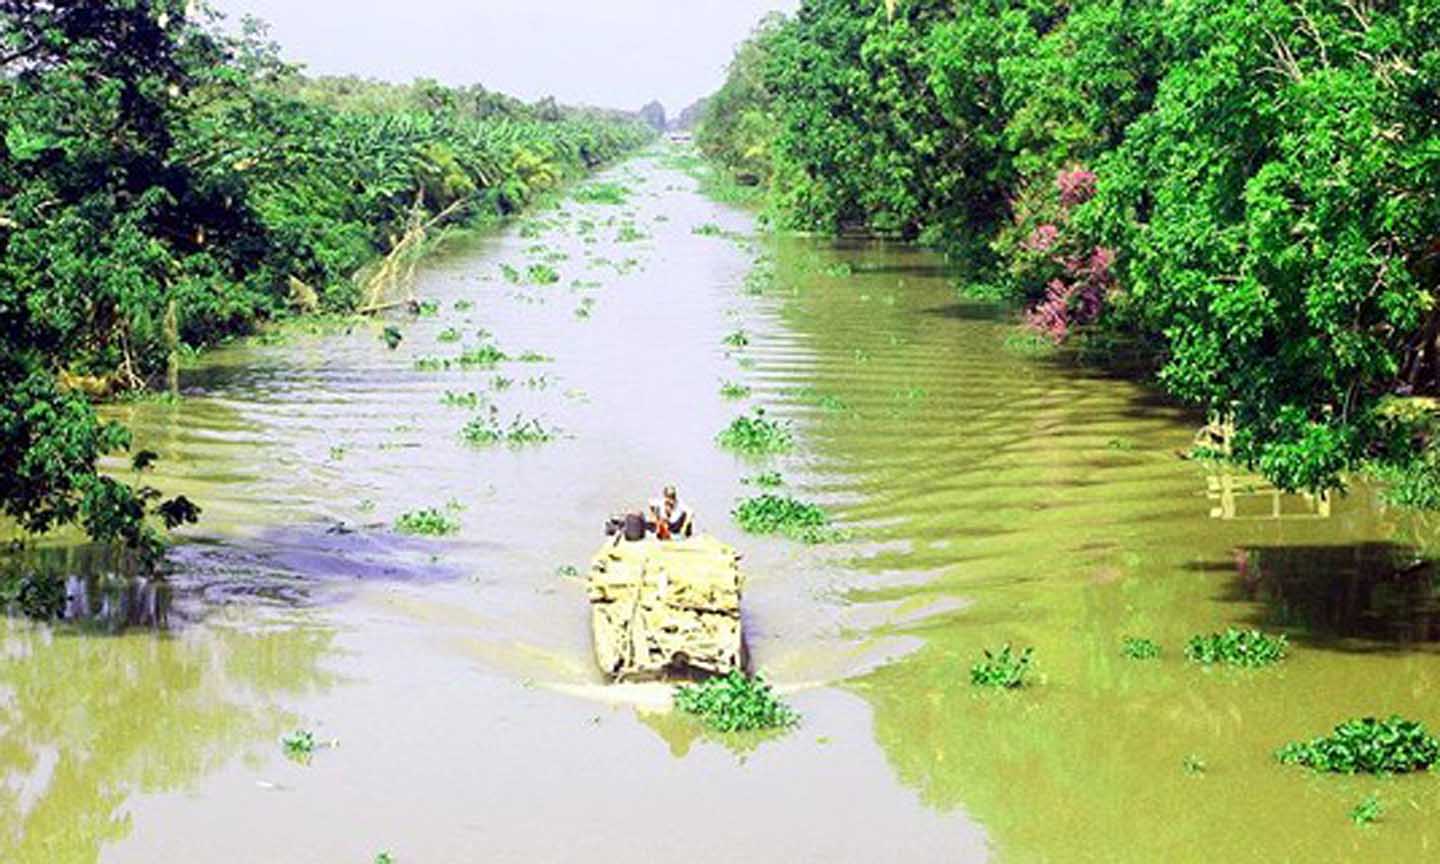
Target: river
[{"x": 991, "y": 497}]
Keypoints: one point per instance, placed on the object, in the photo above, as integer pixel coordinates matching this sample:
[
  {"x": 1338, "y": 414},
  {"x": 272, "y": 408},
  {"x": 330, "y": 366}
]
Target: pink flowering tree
[{"x": 1064, "y": 281}]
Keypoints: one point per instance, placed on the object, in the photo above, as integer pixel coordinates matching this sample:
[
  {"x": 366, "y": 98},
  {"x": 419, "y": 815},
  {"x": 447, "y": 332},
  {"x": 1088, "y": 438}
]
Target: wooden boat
[{"x": 662, "y": 608}]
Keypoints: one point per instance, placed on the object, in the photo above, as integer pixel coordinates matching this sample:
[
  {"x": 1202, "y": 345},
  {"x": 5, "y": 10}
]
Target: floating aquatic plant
[
  {"x": 1367, "y": 746},
  {"x": 1248, "y": 648},
  {"x": 756, "y": 435},
  {"x": 735, "y": 703},
  {"x": 1005, "y": 668},
  {"x": 429, "y": 522},
  {"x": 780, "y": 514}
]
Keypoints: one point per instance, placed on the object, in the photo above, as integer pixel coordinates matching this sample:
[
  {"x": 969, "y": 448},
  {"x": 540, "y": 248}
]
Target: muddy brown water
[{"x": 991, "y": 496}]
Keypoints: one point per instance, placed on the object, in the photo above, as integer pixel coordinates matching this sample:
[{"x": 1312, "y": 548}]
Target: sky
[{"x": 610, "y": 53}]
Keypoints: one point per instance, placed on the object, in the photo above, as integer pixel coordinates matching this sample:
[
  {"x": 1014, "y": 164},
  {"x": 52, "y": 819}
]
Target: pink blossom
[
  {"x": 1076, "y": 186},
  {"x": 1042, "y": 238}
]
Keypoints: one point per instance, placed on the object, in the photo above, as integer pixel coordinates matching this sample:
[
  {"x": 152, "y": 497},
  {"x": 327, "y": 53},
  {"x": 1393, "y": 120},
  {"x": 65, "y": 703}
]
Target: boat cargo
[{"x": 663, "y": 608}]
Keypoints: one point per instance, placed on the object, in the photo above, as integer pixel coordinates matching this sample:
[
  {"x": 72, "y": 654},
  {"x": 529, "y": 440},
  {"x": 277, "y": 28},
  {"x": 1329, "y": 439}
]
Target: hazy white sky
[{"x": 613, "y": 53}]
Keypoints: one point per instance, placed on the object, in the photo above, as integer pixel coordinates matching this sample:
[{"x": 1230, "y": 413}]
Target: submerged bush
[
  {"x": 1005, "y": 668},
  {"x": 735, "y": 703},
  {"x": 1367, "y": 746},
  {"x": 1248, "y": 648},
  {"x": 757, "y": 435},
  {"x": 781, "y": 514}
]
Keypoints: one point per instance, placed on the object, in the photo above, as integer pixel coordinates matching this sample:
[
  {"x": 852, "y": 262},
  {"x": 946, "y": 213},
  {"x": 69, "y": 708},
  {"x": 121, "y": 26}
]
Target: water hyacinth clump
[
  {"x": 482, "y": 356},
  {"x": 542, "y": 274},
  {"x": 1005, "y": 668},
  {"x": 1245, "y": 648},
  {"x": 1139, "y": 648},
  {"x": 487, "y": 429},
  {"x": 735, "y": 703},
  {"x": 791, "y": 517},
  {"x": 733, "y": 390},
  {"x": 737, "y": 339},
  {"x": 764, "y": 480},
  {"x": 756, "y": 435},
  {"x": 1367, "y": 746},
  {"x": 428, "y": 522}
]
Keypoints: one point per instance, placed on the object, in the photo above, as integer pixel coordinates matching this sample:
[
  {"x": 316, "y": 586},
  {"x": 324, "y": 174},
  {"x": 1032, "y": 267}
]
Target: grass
[
  {"x": 1367, "y": 746},
  {"x": 735, "y": 703},
  {"x": 1005, "y": 668},
  {"x": 1024, "y": 342},
  {"x": 765, "y": 480},
  {"x": 533, "y": 357},
  {"x": 733, "y": 390},
  {"x": 756, "y": 435},
  {"x": 428, "y": 522},
  {"x": 485, "y": 430},
  {"x": 780, "y": 514},
  {"x": 1245, "y": 648},
  {"x": 1139, "y": 648}
]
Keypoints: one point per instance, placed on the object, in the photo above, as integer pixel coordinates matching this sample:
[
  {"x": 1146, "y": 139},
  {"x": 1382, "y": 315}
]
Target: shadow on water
[
  {"x": 1357, "y": 597},
  {"x": 91, "y": 589}
]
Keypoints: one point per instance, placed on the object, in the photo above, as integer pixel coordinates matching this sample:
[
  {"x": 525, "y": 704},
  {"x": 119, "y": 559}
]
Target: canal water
[{"x": 989, "y": 495}]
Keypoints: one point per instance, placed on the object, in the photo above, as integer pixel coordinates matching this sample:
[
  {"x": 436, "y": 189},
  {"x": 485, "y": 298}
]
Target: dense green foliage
[
  {"x": 756, "y": 435},
  {"x": 781, "y": 514},
  {"x": 1368, "y": 746},
  {"x": 735, "y": 703},
  {"x": 1005, "y": 668},
  {"x": 1247, "y": 648},
  {"x": 1245, "y": 194},
  {"x": 164, "y": 186},
  {"x": 427, "y": 522}
]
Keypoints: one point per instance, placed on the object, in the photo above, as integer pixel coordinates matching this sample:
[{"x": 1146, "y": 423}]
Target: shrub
[
  {"x": 735, "y": 703},
  {"x": 1367, "y": 746},
  {"x": 1139, "y": 648},
  {"x": 777, "y": 514},
  {"x": 1004, "y": 668},
  {"x": 1248, "y": 648},
  {"x": 757, "y": 435},
  {"x": 430, "y": 522}
]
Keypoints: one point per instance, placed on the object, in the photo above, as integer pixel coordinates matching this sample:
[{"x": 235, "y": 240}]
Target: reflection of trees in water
[
  {"x": 1380, "y": 591},
  {"x": 90, "y": 719}
]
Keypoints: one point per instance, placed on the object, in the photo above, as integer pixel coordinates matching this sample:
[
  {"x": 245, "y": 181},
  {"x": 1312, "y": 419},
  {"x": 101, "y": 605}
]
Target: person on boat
[{"x": 670, "y": 517}]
